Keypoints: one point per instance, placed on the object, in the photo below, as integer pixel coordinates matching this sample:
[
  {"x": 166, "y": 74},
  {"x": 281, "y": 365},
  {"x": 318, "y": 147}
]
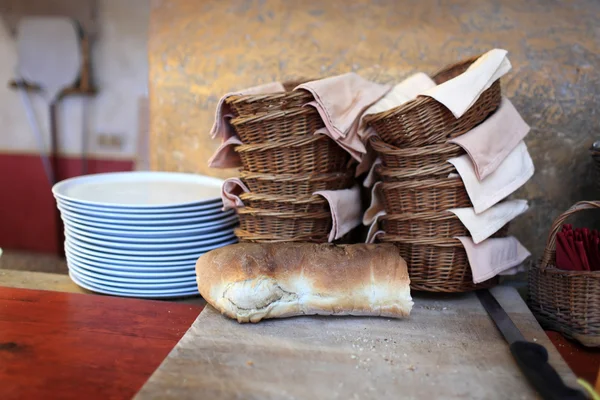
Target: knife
[{"x": 531, "y": 358}]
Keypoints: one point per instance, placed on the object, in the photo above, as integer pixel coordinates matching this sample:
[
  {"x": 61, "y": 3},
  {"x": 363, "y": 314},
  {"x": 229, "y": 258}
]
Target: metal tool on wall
[
  {"x": 532, "y": 358},
  {"x": 49, "y": 56}
]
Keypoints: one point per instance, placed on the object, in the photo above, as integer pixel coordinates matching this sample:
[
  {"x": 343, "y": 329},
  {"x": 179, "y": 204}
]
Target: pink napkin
[
  {"x": 351, "y": 144},
  {"x": 511, "y": 174},
  {"x": 502, "y": 256},
  {"x": 340, "y": 100},
  {"x": 221, "y": 126},
  {"x": 375, "y": 211},
  {"x": 231, "y": 190},
  {"x": 489, "y": 143},
  {"x": 346, "y": 210},
  {"x": 460, "y": 93},
  {"x": 372, "y": 177},
  {"x": 225, "y": 156}
]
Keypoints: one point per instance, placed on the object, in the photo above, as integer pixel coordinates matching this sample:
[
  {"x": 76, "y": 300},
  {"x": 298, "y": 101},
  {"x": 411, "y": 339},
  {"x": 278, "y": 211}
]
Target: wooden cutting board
[{"x": 449, "y": 348}]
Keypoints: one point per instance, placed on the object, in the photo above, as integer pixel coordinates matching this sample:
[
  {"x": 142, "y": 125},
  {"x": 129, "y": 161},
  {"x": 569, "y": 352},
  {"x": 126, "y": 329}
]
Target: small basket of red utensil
[{"x": 564, "y": 287}]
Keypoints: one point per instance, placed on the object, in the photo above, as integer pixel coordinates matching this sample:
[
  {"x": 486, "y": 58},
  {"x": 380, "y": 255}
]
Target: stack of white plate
[{"x": 139, "y": 234}]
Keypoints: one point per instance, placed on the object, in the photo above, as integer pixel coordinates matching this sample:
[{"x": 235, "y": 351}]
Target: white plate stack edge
[{"x": 139, "y": 234}]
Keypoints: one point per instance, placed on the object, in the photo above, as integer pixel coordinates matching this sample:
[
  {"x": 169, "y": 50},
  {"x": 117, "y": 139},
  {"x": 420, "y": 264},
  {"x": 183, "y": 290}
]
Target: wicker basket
[
  {"x": 414, "y": 157},
  {"x": 313, "y": 227},
  {"x": 304, "y": 155},
  {"x": 296, "y": 184},
  {"x": 278, "y": 125},
  {"x": 247, "y": 105},
  {"x": 429, "y": 224},
  {"x": 298, "y": 204},
  {"x": 566, "y": 301},
  {"x": 425, "y": 121},
  {"x": 426, "y": 172},
  {"x": 437, "y": 265},
  {"x": 417, "y": 195},
  {"x": 245, "y": 236}
]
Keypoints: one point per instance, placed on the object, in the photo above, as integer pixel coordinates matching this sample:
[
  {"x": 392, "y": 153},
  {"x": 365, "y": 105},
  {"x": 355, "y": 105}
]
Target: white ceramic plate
[
  {"x": 143, "y": 210},
  {"x": 137, "y": 216},
  {"x": 132, "y": 270},
  {"x": 140, "y": 294},
  {"x": 155, "y": 262},
  {"x": 140, "y": 189},
  {"x": 148, "y": 285},
  {"x": 138, "y": 256},
  {"x": 107, "y": 276},
  {"x": 151, "y": 240},
  {"x": 157, "y": 222},
  {"x": 180, "y": 233},
  {"x": 213, "y": 224},
  {"x": 228, "y": 235},
  {"x": 149, "y": 252}
]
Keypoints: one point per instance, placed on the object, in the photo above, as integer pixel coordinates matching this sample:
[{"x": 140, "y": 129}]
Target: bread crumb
[
  {"x": 412, "y": 368},
  {"x": 249, "y": 363},
  {"x": 353, "y": 356}
]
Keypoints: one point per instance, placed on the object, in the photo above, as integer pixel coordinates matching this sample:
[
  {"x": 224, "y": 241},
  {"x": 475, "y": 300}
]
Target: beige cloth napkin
[
  {"x": 372, "y": 177},
  {"x": 221, "y": 126},
  {"x": 231, "y": 189},
  {"x": 502, "y": 256},
  {"x": 511, "y": 174},
  {"x": 375, "y": 211},
  {"x": 341, "y": 99},
  {"x": 489, "y": 143},
  {"x": 350, "y": 143},
  {"x": 225, "y": 156},
  {"x": 346, "y": 210},
  {"x": 482, "y": 226},
  {"x": 460, "y": 93}
]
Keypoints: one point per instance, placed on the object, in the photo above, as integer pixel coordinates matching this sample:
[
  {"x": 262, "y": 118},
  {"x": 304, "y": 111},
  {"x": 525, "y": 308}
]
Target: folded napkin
[
  {"x": 231, "y": 190},
  {"x": 375, "y": 211},
  {"x": 351, "y": 143},
  {"x": 511, "y": 174},
  {"x": 346, "y": 210},
  {"x": 340, "y": 101},
  {"x": 372, "y": 177},
  {"x": 221, "y": 126},
  {"x": 403, "y": 92},
  {"x": 345, "y": 205},
  {"x": 502, "y": 256},
  {"x": 460, "y": 93},
  {"x": 225, "y": 156},
  {"x": 489, "y": 143},
  {"x": 483, "y": 225}
]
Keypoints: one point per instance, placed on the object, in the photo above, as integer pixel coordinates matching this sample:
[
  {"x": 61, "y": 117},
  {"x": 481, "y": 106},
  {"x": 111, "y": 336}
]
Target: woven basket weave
[
  {"x": 304, "y": 155},
  {"x": 296, "y": 184},
  {"x": 245, "y": 236},
  {"x": 417, "y": 195},
  {"x": 414, "y": 157},
  {"x": 247, "y": 105},
  {"x": 437, "y": 265},
  {"x": 278, "y": 125},
  {"x": 431, "y": 171},
  {"x": 566, "y": 301},
  {"x": 425, "y": 121},
  {"x": 313, "y": 227},
  {"x": 298, "y": 204}
]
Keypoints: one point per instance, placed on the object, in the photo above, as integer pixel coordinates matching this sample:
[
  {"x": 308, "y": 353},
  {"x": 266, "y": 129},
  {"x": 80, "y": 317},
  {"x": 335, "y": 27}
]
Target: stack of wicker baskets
[
  {"x": 284, "y": 163},
  {"x": 417, "y": 190}
]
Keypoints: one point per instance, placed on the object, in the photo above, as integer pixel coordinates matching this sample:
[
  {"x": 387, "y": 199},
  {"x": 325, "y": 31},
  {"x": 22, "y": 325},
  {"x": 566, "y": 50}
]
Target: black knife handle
[{"x": 532, "y": 358}]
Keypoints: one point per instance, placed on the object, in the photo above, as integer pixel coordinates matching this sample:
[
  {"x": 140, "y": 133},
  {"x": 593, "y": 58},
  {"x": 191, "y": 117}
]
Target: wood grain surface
[
  {"x": 199, "y": 51},
  {"x": 449, "y": 348},
  {"x": 75, "y": 346}
]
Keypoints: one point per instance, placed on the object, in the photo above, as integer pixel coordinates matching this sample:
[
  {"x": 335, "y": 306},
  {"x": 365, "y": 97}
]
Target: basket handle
[{"x": 550, "y": 250}]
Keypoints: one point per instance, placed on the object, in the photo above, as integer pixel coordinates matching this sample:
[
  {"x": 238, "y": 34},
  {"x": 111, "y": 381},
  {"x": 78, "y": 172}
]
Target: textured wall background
[{"x": 200, "y": 50}]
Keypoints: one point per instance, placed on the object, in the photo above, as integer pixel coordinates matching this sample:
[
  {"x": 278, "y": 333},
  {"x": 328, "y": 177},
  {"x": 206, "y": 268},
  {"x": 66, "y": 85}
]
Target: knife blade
[{"x": 532, "y": 358}]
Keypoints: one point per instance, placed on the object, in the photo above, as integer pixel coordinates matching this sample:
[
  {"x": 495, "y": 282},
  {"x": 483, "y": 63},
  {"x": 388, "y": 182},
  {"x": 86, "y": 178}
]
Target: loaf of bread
[{"x": 252, "y": 281}]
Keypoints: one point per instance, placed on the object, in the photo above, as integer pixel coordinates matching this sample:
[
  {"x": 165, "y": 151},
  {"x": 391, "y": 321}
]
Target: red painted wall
[{"x": 27, "y": 207}]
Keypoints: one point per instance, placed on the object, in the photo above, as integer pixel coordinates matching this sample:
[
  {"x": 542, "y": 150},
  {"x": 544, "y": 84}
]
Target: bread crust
[{"x": 251, "y": 281}]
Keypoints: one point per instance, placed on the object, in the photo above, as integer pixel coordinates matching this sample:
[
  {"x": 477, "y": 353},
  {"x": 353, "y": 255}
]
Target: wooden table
[
  {"x": 77, "y": 346},
  {"x": 106, "y": 347}
]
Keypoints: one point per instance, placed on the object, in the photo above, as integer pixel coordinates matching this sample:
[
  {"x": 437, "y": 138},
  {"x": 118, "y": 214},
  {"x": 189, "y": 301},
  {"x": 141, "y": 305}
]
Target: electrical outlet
[{"x": 113, "y": 141}]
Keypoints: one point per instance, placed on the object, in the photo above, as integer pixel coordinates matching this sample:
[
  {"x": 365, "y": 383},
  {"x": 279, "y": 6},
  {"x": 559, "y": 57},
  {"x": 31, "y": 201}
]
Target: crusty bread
[{"x": 251, "y": 281}]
